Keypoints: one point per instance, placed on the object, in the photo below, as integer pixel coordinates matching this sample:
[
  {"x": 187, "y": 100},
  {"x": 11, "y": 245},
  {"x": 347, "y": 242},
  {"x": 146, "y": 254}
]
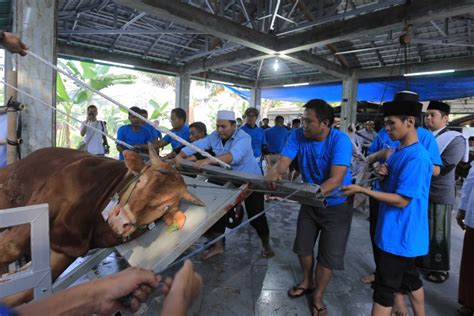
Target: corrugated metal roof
[{"x": 80, "y": 21}]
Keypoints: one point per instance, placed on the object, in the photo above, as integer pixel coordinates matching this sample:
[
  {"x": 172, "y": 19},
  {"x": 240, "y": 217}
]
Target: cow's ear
[
  {"x": 191, "y": 198},
  {"x": 134, "y": 162}
]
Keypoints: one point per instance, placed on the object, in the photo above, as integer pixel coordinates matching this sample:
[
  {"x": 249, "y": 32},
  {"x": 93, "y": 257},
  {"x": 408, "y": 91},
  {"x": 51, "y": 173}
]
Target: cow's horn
[
  {"x": 155, "y": 160},
  {"x": 191, "y": 198}
]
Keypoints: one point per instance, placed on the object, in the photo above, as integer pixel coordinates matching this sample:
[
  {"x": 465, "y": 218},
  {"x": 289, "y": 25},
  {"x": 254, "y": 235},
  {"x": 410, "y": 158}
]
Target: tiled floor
[{"x": 240, "y": 282}]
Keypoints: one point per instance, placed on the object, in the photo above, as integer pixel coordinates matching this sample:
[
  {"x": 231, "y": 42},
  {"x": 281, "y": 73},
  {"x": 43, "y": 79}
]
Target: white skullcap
[{"x": 226, "y": 115}]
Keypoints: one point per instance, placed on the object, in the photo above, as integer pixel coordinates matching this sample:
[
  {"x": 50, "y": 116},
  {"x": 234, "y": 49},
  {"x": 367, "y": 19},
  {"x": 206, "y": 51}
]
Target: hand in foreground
[
  {"x": 182, "y": 291},
  {"x": 352, "y": 189},
  {"x": 460, "y": 219},
  {"x": 13, "y": 44},
  {"x": 136, "y": 281}
]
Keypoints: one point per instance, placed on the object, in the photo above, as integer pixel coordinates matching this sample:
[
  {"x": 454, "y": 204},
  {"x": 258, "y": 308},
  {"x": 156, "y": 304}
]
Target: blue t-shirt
[
  {"x": 316, "y": 158},
  {"x": 258, "y": 138},
  {"x": 404, "y": 231},
  {"x": 276, "y": 138},
  {"x": 239, "y": 145},
  {"x": 425, "y": 138},
  {"x": 154, "y": 132},
  {"x": 128, "y": 135},
  {"x": 183, "y": 133}
]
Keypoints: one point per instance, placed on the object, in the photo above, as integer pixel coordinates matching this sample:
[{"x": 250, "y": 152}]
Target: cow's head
[{"x": 157, "y": 192}]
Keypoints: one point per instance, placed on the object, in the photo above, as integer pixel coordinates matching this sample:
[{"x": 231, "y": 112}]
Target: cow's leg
[
  {"x": 59, "y": 263},
  {"x": 14, "y": 243}
]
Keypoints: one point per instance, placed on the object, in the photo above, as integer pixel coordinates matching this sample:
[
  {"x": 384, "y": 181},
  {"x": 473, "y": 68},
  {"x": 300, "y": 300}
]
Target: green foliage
[
  {"x": 61, "y": 93},
  {"x": 159, "y": 110},
  {"x": 74, "y": 100}
]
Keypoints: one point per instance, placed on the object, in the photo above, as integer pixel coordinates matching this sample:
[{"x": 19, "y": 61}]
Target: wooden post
[{"x": 11, "y": 119}]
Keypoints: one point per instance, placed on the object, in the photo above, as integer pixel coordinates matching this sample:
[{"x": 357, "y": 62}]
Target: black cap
[
  {"x": 404, "y": 103},
  {"x": 438, "y": 105}
]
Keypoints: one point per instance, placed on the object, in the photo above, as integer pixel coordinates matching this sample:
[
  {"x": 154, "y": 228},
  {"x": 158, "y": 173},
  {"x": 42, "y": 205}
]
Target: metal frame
[
  {"x": 38, "y": 276},
  {"x": 84, "y": 267},
  {"x": 309, "y": 194}
]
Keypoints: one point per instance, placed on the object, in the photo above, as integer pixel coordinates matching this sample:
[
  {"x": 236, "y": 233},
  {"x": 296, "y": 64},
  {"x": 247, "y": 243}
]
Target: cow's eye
[{"x": 166, "y": 208}]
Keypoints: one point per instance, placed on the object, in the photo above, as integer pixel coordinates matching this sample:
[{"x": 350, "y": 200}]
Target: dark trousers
[
  {"x": 373, "y": 216},
  {"x": 394, "y": 274},
  {"x": 254, "y": 204},
  {"x": 466, "y": 275}
]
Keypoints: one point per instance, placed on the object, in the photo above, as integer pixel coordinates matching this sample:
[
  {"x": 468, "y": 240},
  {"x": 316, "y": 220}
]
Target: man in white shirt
[{"x": 93, "y": 139}]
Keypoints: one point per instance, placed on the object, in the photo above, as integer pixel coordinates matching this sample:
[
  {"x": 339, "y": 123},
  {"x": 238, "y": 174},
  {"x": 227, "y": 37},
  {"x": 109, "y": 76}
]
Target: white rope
[
  {"x": 161, "y": 129},
  {"x": 64, "y": 113}
]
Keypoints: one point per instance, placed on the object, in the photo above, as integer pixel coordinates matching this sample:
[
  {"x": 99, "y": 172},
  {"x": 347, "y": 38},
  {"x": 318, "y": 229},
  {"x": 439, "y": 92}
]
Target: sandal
[
  {"x": 437, "y": 277},
  {"x": 319, "y": 309},
  {"x": 297, "y": 288}
]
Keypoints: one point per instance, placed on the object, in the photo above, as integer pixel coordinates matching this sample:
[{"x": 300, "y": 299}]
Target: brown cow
[{"x": 78, "y": 187}]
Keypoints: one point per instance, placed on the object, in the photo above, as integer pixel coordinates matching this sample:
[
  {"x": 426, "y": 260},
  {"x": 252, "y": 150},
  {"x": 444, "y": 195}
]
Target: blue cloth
[
  {"x": 239, "y": 145},
  {"x": 316, "y": 158},
  {"x": 183, "y": 133},
  {"x": 128, "y": 135},
  {"x": 276, "y": 138},
  {"x": 435, "y": 87},
  {"x": 154, "y": 132},
  {"x": 404, "y": 231},
  {"x": 258, "y": 138}
]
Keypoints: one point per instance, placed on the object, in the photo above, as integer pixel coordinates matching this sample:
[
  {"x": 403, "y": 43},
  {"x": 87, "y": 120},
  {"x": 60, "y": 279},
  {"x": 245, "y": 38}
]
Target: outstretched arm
[
  {"x": 394, "y": 199},
  {"x": 98, "y": 296}
]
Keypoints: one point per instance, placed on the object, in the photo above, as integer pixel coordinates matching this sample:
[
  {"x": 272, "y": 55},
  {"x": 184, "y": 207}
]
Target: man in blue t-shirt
[
  {"x": 276, "y": 139},
  {"x": 324, "y": 157},
  {"x": 402, "y": 227},
  {"x": 134, "y": 134},
  {"x": 180, "y": 128},
  {"x": 257, "y": 134},
  {"x": 276, "y": 136},
  {"x": 379, "y": 149}
]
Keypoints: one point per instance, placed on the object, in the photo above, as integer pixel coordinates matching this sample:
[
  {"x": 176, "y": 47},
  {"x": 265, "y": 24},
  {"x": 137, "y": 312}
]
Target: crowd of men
[{"x": 410, "y": 202}]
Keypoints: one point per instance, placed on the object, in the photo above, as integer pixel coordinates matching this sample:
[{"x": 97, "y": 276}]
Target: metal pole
[{"x": 12, "y": 118}]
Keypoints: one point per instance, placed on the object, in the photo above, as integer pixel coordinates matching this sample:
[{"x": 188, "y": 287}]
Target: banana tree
[{"x": 73, "y": 100}]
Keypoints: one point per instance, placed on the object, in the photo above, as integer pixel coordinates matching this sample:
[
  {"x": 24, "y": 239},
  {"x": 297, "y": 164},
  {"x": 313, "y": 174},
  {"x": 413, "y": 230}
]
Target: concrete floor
[{"x": 240, "y": 282}]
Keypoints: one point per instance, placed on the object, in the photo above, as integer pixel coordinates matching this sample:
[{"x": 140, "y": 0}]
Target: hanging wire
[{"x": 391, "y": 73}]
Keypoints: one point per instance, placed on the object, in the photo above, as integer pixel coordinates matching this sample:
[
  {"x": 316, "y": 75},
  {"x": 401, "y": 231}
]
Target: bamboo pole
[{"x": 11, "y": 118}]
